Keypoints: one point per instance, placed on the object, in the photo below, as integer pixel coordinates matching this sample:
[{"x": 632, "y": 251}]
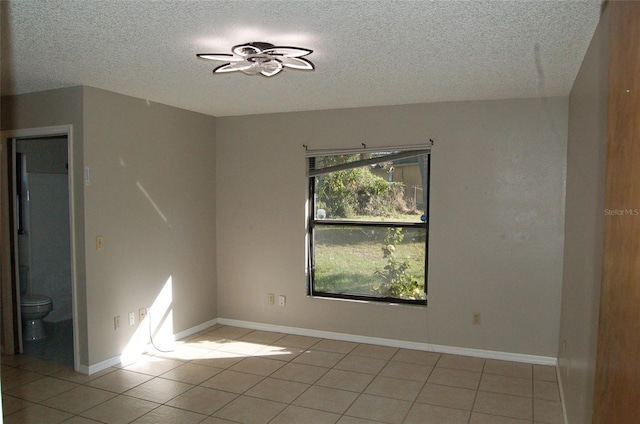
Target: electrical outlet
[
  {"x": 271, "y": 298},
  {"x": 282, "y": 300},
  {"x": 132, "y": 318},
  {"x": 116, "y": 322},
  {"x": 476, "y": 318},
  {"x": 99, "y": 243},
  {"x": 142, "y": 314}
]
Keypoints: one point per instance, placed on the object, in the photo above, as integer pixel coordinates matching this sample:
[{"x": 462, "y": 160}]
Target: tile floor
[{"x": 234, "y": 375}]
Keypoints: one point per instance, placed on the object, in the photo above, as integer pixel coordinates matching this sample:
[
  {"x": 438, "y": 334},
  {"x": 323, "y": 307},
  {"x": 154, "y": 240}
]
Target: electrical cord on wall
[{"x": 151, "y": 336}]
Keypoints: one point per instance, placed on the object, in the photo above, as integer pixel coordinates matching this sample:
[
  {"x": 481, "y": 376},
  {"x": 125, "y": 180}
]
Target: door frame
[{"x": 11, "y": 310}]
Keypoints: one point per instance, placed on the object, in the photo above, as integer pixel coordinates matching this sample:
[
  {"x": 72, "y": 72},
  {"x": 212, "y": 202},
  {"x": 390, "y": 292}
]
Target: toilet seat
[{"x": 34, "y": 300}]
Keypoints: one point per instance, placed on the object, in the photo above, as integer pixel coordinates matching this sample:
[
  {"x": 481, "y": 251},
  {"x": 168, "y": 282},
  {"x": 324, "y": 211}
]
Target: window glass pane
[
  {"x": 370, "y": 261},
  {"x": 385, "y": 191}
]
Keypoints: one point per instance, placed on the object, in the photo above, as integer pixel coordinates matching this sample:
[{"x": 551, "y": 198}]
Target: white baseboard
[
  {"x": 478, "y": 353},
  {"x": 117, "y": 360}
]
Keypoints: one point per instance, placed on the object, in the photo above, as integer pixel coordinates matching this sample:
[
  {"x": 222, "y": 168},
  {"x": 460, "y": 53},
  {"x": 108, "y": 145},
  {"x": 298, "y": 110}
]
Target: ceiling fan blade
[
  {"x": 224, "y": 57},
  {"x": 232, "y": 67},
  {"x": 297, "y": 63},
  {"x": 288, "y": 51}
]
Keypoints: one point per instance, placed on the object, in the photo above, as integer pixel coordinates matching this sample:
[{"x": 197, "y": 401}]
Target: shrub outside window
[{"x": 368, "y": 225}]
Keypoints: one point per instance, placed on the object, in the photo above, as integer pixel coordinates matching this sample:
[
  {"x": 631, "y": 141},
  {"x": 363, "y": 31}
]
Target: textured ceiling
[{"x": 367, "y": 53}]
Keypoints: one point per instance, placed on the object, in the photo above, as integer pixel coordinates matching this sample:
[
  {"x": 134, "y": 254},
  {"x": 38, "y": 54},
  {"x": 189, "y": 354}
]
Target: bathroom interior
[{"x": 42, "y": 231}]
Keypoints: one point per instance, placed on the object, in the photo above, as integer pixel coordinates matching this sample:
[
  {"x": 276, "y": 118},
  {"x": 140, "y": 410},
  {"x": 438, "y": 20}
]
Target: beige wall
[
  {"x": 496, "y": 231},
  {"x": 152, "y": 198},
  {"x": 584, "y": 227}
]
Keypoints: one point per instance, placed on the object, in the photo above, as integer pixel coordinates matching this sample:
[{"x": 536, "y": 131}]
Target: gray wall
[
  {"x": 584, "y": 227},
  {"x": 496, "y": 232}
]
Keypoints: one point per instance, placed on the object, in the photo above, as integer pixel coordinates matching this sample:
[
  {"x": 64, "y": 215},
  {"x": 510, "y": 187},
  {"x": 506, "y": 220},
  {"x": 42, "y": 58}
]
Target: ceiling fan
[{"x": 259, "y": 58}]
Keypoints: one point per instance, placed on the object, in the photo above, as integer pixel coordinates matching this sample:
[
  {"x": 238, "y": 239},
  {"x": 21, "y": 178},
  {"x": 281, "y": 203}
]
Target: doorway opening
[{"x": 41, "y": 253}]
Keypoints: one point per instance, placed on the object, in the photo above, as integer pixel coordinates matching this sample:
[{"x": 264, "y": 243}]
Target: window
[{"x": 368, "y": 222}]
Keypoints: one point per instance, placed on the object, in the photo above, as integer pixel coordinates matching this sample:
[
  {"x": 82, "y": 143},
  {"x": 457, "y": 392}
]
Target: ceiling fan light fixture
[{"x": 259, "y": 58}]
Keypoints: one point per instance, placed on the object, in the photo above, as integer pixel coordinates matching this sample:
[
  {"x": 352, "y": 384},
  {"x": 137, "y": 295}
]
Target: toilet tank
[{"x": 24, "y": 279}]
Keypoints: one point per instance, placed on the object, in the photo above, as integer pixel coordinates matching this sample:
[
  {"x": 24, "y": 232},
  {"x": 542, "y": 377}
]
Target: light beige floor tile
[
  {"x": 241, "y": 348},
  {"x": 249, "y": 410},
  {"x": 354, "y": 420},
  {"x": 407, "y": 371},
  {"x": 326, "y": 399},
  {"x": 455, "y": 378},
  {"x": 373, "y": 351},
  {"x": 191, "y": 373},
  {"x": 429, "y": 414},
  {"x": 416, "y": 357},
  {"x": 15, "y": 360},
  {"x": 42, "y": 367},
  {"x": 296, "y": 414},
  {"x": 80, "y": 420},
  {"x": 228, "y": 333},
  {"x": 293, "y": 340},
  {"x": 301, "y": 373},
  {"x": 546, "y": 390},
  {"x": 379, "y": 409},
  {"x": 319, "y": 358},
  {"x": 478, "y": 418},
  {"x": 202, "y": 400},
  {"x": 394, "y": 388},
  {"x": 79, "y": 399},
  {"x": 258, "y": 366},
  {"x": 216, "y": 420},
  {"x": 458, "y": 362},
  {"x": 120, "y": 410},
  {"x": 37, "y": 414},
  {"x": 167, "y": 414},
  {"x": 544, "y": 372},
  {"x": 158, "y": 390},
  {"x": 504, "y": 405},
  {"x": 182, "y": 352},
  {"x": 41, "y": 389},
  {"x": 277, "y": 390},
  {"x": 219, "y": 359},
  {"x": 346, "y": 380},
  {"x": 360, "y": 364},
  {"x": 232, "y": 381},
  {"x": 75, "y": 377},
  {"x": 14, "y": 377},
  {"x": 12, "y": 404},
  {"x": 206, "y": 342},
  {"x": 262, "y": 337},
  {"x": 450, "y": 397},
  {"x": 546, "y": 411},
  {"x": 152, "y": 365},
  {"x": 119, "y": 381},
  {"x": 336, "y": 346},
  {"x": 511, "y": 369},
  {"x": 507, "y": 385},
  {"x": 279, "y": 353}
]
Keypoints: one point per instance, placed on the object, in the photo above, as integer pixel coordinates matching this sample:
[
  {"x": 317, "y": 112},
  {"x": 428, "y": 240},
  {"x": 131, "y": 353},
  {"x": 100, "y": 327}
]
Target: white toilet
[{"x": 33, "y": 307}]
